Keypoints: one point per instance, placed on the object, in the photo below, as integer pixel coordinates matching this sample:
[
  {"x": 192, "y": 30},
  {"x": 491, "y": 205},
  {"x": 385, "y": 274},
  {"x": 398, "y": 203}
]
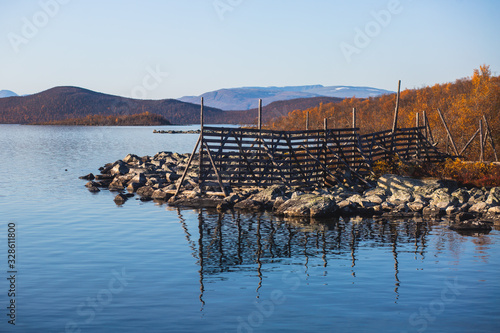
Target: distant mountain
[
  {"x": 246, "y": 98},
  {"x": 63, "y": 103},
  {"x": 7, "y": 93}
]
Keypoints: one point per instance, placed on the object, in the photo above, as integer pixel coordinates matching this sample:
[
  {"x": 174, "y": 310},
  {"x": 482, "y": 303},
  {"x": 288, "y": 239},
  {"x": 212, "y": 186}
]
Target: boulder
[
  {"x": 400, "y": 196},
  {"x": 495, "y": 210},
  {"x": 172, "y": 177},
  {"x": 116, "y": 185},
  {"x": 479, "y": 207},
  {"x": 133, "y": 187},
  {"x": 494, "y": 197},
  {"x": 416, "y": 206},
  {"x": 120, "y": 168},
  {"x": 392, "y": 183},
  {"x": 90, "y": 176},
  {"x": 131, "y": 159},
  {"x": 374, "y": 199},
  {"x": 92, "y": 184},
  {"x": 145, "y": 192},
  {"x": 93, "y": 189},
  {"x": 441, "y": 199},
  {"x": 462, "y": 195},
  {"x": 120, "y": 199},
  {"x": 139, "y": 178},
  {"x": 308, "y": 205}
]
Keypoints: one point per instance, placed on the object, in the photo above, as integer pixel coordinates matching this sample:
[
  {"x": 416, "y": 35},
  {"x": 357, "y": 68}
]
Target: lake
[{"x": 84, "y": 264}]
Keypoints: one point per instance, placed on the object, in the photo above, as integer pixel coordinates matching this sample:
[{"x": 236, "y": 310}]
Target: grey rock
[
  {"x": 139, "y": 178},
  {"x": 494, "y": 197},
  {"x": 495, "y": 210},
  {"x": 479, "y": 207},
  {"x": 308, "y": 205},
  {"x": 116, "y": 185},
  {"x": 93, "y": 189},
  {"x": 400, "y": 196},
  {"x": 133, "y": 187},
  {"x": 145, "y": 191},
  {"x": 93, "y": 184},
  {"x": 119, "y": 169},
  {"x": 120, "y": 199},
  {"x": 90, "y": 176},
  {"x": 132, "y": 159},
  {"x": 374, "y": 199},
  {"x": 462, "y": 195},
  {"x": 416, "y": 206}
]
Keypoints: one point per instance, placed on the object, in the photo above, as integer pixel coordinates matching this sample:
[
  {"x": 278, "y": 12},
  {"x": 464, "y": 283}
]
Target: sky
[{"x": 156, "y": 49}]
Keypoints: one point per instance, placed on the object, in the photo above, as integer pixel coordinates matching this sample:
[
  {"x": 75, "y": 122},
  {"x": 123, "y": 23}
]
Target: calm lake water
[{"x": 84, "y": 264}]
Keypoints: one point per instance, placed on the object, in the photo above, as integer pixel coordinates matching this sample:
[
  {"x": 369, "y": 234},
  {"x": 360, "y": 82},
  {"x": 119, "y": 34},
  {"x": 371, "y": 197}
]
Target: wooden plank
[
  {"x": 396, "y": 110},
  {"x": 490, "y": 136},
  {"x": 187, "y": 167},
  {"x": 448, "y": 132}
]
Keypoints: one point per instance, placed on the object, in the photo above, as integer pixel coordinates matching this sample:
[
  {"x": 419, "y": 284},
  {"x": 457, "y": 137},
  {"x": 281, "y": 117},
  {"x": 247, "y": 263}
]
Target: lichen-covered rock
[
  {"x": 462, "y": 195},
  {"x": 479, "y": 207},
  {"x": 308, "y": 205},
  {"x": 400, "y": 196},
  {"x": 494, "y": 197}
]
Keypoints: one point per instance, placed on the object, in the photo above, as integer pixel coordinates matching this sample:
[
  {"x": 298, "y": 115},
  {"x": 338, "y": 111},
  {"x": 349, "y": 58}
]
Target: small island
[{"x": 141, "y": 119}]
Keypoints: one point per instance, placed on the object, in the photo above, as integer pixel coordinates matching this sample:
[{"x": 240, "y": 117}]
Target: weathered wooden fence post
[
  {"x": 325, "y": 148},
  {"x": 449, "y": 133},
  {"x": 490, "y": 136},
  {"x": 259, "y": 160},
  {"x": 481, "y": 145},
  {"x": 307, "y": 121},
  {"x": 396, "y": 110},
  {"x": 395, "y": 121},
  {"x": 201, "y": 175}
]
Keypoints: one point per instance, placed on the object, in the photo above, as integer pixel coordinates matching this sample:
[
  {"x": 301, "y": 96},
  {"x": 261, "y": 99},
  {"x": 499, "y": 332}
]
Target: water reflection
[{"x": 251, "y": 243}]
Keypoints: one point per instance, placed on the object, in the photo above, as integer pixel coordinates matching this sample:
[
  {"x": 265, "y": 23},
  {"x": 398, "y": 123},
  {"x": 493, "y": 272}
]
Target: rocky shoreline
[{"x": 156, "y": 178}]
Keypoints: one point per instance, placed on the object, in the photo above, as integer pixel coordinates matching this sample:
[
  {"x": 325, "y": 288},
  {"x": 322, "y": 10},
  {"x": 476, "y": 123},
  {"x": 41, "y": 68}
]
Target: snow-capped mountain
[{"x": 246, "y": 98}]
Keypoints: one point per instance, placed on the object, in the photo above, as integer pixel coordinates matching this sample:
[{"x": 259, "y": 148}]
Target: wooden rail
[{"x": 240, "y": 157}]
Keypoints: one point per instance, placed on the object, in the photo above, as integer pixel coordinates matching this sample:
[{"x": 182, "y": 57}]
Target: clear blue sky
[{"x": 171, "y": 48}]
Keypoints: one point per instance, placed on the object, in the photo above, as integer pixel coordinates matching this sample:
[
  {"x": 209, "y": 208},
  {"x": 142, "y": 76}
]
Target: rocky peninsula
[{"x": 390, "y": 196}]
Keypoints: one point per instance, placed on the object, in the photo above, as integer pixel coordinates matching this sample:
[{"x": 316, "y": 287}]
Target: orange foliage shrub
[{"x": 463, "y": 103}]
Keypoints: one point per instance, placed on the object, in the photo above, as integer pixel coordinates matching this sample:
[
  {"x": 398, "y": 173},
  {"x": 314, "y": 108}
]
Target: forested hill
[{"x": 63, "y": 103}]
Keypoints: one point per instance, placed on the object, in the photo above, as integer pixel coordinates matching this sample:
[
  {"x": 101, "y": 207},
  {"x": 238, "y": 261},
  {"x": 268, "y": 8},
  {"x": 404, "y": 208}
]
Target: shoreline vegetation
[
  {"x": 141, "y": 119},
  {"x": 463, "y": 104},
  {"x": 467, "y": 209}
]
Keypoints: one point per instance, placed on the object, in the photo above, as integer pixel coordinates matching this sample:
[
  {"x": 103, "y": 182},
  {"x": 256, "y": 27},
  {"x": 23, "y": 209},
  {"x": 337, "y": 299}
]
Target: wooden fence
[
  {"x": 242, "y": 157},
  {"x": 239, "y": 157}
]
